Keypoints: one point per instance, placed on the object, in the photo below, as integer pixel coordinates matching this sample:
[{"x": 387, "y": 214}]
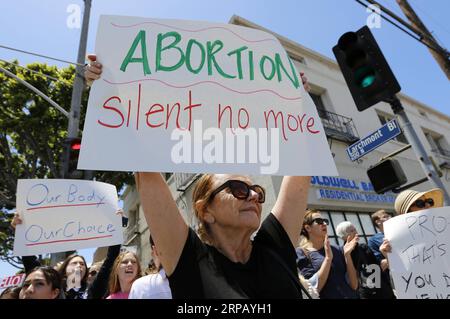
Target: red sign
[{"x": 15, "y": 280}]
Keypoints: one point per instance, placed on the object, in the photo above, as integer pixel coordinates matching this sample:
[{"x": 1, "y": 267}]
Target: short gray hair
[{"x": 341, "y": 229}]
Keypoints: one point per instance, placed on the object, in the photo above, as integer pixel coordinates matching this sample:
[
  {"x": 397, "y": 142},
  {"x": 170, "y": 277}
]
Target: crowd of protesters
[{"x": 313, "y": 267}]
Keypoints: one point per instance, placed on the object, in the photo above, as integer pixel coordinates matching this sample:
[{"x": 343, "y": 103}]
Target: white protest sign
[
  {"x": 420, "y": 258},
  {"x": 195, "y": 97},
  {"x": 62, "y": 215},
  {"x": 14, "y": 280}
]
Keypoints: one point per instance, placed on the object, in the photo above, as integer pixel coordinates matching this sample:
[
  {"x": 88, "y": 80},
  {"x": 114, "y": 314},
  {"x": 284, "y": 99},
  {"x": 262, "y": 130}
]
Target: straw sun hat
[{"x": 406, "y": 198}]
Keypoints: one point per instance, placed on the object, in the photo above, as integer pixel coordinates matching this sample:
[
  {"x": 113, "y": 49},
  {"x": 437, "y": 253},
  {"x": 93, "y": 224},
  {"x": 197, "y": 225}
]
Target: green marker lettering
[
  {"x": 261, "y": 66},
  {"x": 140, "y": 38},
  {"x": 279, "y": 64},
  {"x": 251, "y": 63},
  {"x": 211, "y": 59},
  {"x": 238, "y": 59},
  {"x": 188, "y": 56},
  {"x": 159, "y": 49}
]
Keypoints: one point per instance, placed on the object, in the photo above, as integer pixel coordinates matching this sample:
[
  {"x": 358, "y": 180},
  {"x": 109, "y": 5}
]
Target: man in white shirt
[{"x": 153, "y": 286}]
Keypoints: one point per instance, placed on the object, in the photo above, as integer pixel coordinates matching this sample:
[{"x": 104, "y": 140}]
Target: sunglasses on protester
[
  {"x": 320, "y": 221},
  {"x": 420, "y": 203},
  {"x": 241, "y": 190},
  {"x": 93, "y": 272}
]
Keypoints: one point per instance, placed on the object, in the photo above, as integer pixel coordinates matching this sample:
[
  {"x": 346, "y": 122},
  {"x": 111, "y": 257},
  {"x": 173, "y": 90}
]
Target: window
[
  {"x": 299, "y": 59},
  {"x": 367, "y": 224},
  {"x": 437, "y": 143},
  {"x": 361, "y": 221},
  {"x": 386, "y": 118},
  {"x": 422, "y": 113},
  {"x": 317, "y": 99},
  {"x": 335, "y": 218}
]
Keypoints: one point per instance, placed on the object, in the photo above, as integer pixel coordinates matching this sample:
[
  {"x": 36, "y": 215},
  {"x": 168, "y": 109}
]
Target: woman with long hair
[
  {"x": 125, "y": 271},
  {"x": 316, "y": 256},
  {"x": 41, "y": 283},
  {"x": 74, "y": 276}
]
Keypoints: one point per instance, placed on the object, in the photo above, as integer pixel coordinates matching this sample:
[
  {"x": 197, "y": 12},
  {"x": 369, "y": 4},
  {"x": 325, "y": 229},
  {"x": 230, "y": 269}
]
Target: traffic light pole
[
  {"x": 417, "y": 146},
  {"x": 75, "y": 105},
  {"x": 78, "y": 86}
]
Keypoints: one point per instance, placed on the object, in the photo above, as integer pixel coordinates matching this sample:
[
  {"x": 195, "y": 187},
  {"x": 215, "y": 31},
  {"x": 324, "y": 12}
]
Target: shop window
[
  {"x": 318, "y": 101},
  {"x": 367, "y": 224},
  {"x": 361, "y": 221}
]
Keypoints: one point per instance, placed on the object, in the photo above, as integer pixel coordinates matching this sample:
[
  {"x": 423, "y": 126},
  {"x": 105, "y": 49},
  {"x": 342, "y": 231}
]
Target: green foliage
[{"x": 32, "y": 133}]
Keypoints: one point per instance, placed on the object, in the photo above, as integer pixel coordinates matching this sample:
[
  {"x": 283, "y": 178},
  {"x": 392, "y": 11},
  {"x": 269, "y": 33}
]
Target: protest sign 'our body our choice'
[
  {"x": 420, "y": 258},
  {"x": 64, "y": 215},
  {"x": 186, "y": 96}
]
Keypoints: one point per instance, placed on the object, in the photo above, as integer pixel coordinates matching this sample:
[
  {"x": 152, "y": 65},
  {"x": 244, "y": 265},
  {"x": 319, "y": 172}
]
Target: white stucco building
[{"x": 348, "y": 196}]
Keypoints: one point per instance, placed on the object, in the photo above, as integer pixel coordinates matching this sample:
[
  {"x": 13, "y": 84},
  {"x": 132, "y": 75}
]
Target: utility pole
[
  {"x": 75, "y": 105},
  {"x": 78, "y": 84},
  {"x": 440, "y": 54},
  {"x": 418, "y": 147},
  {"x": 371, "y": 81}
]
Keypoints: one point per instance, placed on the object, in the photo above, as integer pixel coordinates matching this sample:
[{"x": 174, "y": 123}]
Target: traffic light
[
  {"x": 73, "y": 146},
  {"x": 386, "y": 175},
  {"x": 368, "y": 75}
]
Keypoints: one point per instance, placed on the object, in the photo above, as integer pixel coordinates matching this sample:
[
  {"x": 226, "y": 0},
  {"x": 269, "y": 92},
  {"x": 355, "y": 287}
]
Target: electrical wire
[
  {"x": 40, "y": 55},
  {"x": 434, "y": 48},
  {"x": 36, "y": 72}
]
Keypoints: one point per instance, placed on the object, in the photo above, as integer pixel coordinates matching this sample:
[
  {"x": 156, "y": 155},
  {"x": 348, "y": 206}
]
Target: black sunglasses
[
  {"x": 240, "y": 190},
  {"x": 320, "y": 221},
  {"x": 93, "y": 272},
  {"x": 420, "y": 203}
]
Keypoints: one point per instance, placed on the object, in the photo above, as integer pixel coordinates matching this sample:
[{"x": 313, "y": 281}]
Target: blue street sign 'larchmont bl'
[{"x": 367, "y": 144}]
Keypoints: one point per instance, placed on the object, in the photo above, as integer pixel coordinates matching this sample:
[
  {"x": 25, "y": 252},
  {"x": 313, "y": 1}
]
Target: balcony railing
[{"x": 339, "y": 127}]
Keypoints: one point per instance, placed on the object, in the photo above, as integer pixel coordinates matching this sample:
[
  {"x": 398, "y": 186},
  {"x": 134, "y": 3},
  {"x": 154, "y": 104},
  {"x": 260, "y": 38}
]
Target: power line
[
  {"x": 36, "y": 72},
  {"x": 40, "y": 55},
  {"x": 35, "y": 90},
  {"x": 418, "y": 38}
]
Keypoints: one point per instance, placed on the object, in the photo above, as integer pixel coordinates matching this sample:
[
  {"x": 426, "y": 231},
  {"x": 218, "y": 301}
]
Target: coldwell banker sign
[
  {"x": 367, "y": 144},
  {"x": 344, "y": 189}
]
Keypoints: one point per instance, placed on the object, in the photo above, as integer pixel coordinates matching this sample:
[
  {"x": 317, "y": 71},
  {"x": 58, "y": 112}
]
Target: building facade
[{"x": 349, "y": 196}]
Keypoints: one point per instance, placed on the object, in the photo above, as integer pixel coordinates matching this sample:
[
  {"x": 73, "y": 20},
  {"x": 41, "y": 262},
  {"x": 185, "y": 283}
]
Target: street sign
[{"x": 367, "y": 144}]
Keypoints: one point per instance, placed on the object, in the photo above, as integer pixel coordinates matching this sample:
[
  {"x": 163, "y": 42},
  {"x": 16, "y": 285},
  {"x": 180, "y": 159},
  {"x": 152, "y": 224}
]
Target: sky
[{"x": 41, "y": 27}]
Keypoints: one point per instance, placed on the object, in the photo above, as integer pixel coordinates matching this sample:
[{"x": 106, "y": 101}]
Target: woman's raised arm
[{"x": 167, "y": 226}]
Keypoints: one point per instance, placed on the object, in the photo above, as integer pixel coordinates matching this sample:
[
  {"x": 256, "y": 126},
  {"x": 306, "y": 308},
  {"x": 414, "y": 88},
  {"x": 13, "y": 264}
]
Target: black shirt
[
  {"x": 203, "y": 272},
  {"x": 336, "y": 286},
  {"x": 366, "y": 264}
]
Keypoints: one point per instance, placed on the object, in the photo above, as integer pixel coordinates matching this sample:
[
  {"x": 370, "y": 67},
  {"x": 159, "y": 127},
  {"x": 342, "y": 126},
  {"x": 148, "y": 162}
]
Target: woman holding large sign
[
  {"x": 223, "y": 261},
  {"x": 410, "y": 201}
]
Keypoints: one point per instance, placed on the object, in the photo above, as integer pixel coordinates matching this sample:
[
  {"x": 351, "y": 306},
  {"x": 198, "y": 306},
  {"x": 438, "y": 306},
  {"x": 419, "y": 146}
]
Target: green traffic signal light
[
  {"x": 365, "y": 70},
  {"x": 367, "y": 81},
  {"x": 365, "y": 76}
]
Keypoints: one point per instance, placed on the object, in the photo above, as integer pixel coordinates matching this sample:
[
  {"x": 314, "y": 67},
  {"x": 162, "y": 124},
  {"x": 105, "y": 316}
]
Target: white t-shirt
[{"x": 154, "y": 286}]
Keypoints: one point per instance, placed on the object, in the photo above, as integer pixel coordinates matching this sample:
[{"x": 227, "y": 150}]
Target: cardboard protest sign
[
  {"x": 420, "y": 258},
  {"x": 196, "y": 97},
  {"x": 14, "y": 280},
  {"x": 62, "y": 215}
]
